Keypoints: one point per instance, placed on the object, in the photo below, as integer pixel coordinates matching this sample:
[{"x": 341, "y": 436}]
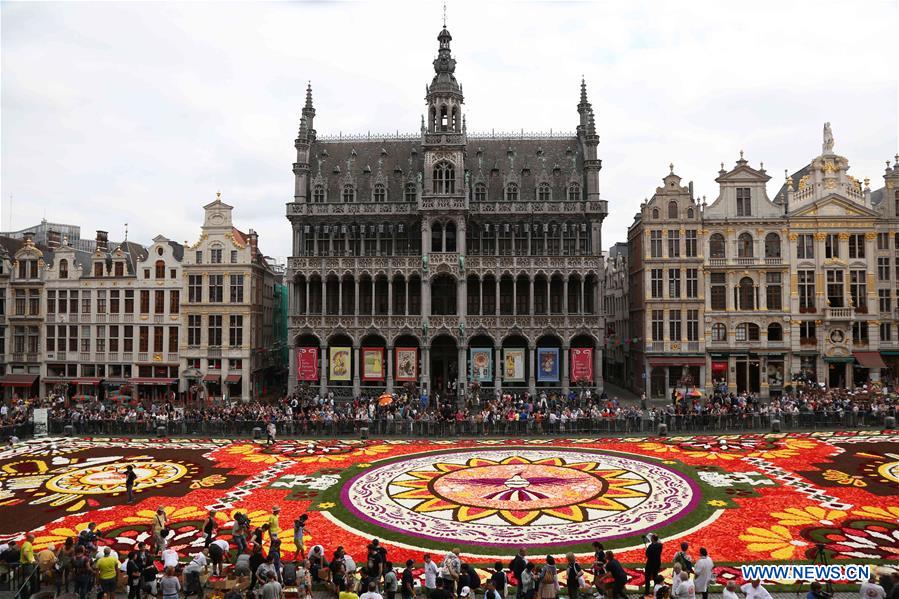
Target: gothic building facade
[{"x": 445, "y": 259}]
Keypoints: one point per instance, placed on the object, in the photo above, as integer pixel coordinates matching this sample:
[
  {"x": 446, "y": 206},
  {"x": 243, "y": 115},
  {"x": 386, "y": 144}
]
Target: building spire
[
  {"x": 583, "y": 90},
  {"x": 444, "y": 15},
  {"x": 308, "y": 106}
]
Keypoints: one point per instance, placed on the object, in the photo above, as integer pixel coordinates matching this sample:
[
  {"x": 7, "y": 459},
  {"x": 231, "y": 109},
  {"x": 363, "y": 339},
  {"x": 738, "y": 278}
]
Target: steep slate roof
[{"x": 491, "y": 160}]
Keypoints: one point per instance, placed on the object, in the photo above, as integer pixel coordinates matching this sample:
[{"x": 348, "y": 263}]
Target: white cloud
[{"x": 139, "y": 112}]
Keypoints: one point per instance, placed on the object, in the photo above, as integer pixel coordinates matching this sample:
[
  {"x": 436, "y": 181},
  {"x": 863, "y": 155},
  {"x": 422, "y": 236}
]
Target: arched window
[
  {"x": 480, "y": 192},
  {"x": 544, "y": 193},
  {"x": 574, "y": 192},
  {"x": 436, "y": 237},
  {"x": 450, "y": 234},
  {"x": 433, "y": 119},
  {"x": 672, "y": 209},
  {"x": 775, "y": 332},
  {"x": 744, "y": 245},
  {"x": 444, "y": 178},
  {"x": 444, "y": 118},
  {"x": 716, "y": 246},
  {"x": 380, "y": 194},
  {"x": 655, "y": 214},
  {"x": 318, "y": 194},
  {"x": 689, "y": 213},
  {"x": 63, "y": 269},
  {"x": 719, "y": 332},
  {"x": 160, "y": 269},
  {"x": 772, "y": 245},
  {"x": 746, "y": 294},
  {"x": 410, "y": 192},
  {"x": 747, "y": 331},
  {"x": 349, "y": 194},
  {"x": 511, "y": 192}
]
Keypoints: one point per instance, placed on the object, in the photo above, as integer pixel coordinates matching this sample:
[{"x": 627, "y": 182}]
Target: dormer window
[
  {"x": 744, "y": 205},
  {"x": 98, "y": 269},
  {"x": 511, "y": 192},
  {"x": 349, "y": 194},
  {"x": 63, "y": 269},
  {"x": 215, "y": 255},
  {"x": 574, "y": 192},
  {"x": 544, "y": 193},
  {"x": 318, "y": 194},
  {"x": 444, "y": 178},
  {"x": 480, "y": 192},
  {"x": 119, "y": 269},
  {"x": 380, "y": 194},
  {"x": 198, "y": 259},
  {"x": 410, "y": 192},
  {"x": 672, "y": 210},
  {"x": 160, "y": 269}
]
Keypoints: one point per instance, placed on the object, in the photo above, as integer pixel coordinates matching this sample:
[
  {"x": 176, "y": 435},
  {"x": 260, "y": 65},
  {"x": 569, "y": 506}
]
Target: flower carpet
[{"x": 747, "y": 498}]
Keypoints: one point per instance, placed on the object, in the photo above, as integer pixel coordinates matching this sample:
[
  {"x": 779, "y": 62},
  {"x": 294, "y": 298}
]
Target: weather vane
[{"x": 444, "y": 15}]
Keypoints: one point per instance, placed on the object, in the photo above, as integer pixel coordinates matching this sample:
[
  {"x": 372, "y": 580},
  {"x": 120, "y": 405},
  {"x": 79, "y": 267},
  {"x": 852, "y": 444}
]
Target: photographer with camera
[{"x": 653, "y": 561}]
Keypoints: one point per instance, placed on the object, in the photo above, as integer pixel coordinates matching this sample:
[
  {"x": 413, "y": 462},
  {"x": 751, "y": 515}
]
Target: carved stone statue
[
  {"x": 418, "y": 177},
  {"x": 424, "y": 326},
  {"x": 461, "y": 263},
  {"x": 828, "y": 139},
  {"x": 425, "y": 262},
  {"x": 467, "y": 178},
  {"x": 461, "y": 330}
]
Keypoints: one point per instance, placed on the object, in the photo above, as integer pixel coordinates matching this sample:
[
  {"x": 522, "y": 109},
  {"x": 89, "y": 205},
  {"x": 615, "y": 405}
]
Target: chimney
[
  {"x": 28, "y": 237},
  {"x": 253, "y": 238},
  {"x": 53, "y": 239},
  {"x": 102, "y": 241}
]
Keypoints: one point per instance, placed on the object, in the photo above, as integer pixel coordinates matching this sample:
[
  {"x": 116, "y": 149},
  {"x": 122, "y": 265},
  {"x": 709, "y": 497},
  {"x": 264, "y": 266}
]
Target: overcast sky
[{"x": 137, "y": 113}]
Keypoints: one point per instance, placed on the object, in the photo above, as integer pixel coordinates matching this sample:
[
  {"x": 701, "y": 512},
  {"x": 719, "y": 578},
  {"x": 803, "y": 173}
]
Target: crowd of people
[
  {"x": 305, "y": 412},
  {"x": 252, "y": 559}
]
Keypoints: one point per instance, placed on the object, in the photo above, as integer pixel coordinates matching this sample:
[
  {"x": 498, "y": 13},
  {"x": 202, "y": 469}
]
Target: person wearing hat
[
  {"x": 160, "y": 520},
  {"x": 274, "y": 527},
  {"x": 465, "y": 592}
]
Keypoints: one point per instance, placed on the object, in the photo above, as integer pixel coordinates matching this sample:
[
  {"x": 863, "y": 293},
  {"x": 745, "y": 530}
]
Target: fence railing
[{"x": 695, "y": 424}]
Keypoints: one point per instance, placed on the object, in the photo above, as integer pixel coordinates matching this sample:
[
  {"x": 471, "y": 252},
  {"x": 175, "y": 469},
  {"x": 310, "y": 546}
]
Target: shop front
[{"x": 868, "y": 366}]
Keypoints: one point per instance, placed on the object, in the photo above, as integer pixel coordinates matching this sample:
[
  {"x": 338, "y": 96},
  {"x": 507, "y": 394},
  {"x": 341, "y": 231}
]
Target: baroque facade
[
  {"x": 755, "y": 292},
  {"x": 616, "y": 308},
  {"x": 446, "y": 258}
]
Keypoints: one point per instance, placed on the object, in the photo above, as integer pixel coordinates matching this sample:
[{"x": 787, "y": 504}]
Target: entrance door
[
  {"x": 836, "y": 375},
  {"x": 444, "y": 366}
]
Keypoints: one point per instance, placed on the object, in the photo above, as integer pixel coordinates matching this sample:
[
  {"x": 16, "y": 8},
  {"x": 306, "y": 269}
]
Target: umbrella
[
  {"x": 385, "y": 400},
  {"x": 695, "y": 393}
]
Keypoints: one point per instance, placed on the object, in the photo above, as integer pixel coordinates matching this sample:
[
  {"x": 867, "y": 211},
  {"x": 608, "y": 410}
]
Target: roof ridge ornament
[{"x": 827, "y": 146}]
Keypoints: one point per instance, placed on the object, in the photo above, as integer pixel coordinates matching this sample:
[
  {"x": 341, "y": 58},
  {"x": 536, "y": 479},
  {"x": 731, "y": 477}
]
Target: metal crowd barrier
[{"x": 476, "y": 427}]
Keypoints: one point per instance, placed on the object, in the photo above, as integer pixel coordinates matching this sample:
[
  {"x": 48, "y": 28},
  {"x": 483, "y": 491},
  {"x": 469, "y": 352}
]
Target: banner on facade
[
  {"x": 581, "y": 364},
  {"x": 307, "y": 363},
  {"x": 373, "y": 364},
  {"x": 406, "y": 364},
  {"x": 339, "y": 363},
  {"x": 513, "y": 365},
  {"x": 481, "y": 364},
  {"x": 548, "y": 364}
]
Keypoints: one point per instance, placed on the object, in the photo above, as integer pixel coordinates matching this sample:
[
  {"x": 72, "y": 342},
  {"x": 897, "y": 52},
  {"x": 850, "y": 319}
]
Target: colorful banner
[
  {"x": 406, "y": 364},
  {"x": 581, "y": 364},
  {"x": 481, "y": 364},
  {"x": 307, "y": 363},
  {"x": 373, "y": 364},
  {"x": 340, "y": 363},
  {"x": 548, "y": 364},
  {"x": 513, "y": 365}
]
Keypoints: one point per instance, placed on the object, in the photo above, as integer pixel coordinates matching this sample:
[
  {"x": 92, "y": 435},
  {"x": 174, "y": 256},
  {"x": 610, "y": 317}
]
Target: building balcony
[
  {"x": 832, "y": 313},
  {"x": 598, "y": 207},
  {"x": 773, "y": 261},
  {"x": 717, "y": 261},
  {"x": 143, "y": 356},
  {"x": 300, "y": 209},
  {"x": 746, "y": 260},
  {"x": 171, "y": 357},
  {"x": 452, "y": 321}
]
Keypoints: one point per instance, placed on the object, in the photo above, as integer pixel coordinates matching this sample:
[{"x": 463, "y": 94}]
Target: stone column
[
  {"x": 307, "y": 286},
  {"x": 566, "y": 379},
  {"x": 425, "y": 371},
  {"x": 323, "y": 371},
  {"x": 292, "y": 369},
  {"x": 565, "y": 290},
  {"x": 388, "y": 367},
  {"x": 481, "y": 296},
  {"x": 357, "y": 354},
  {"x": 462, "y": 377},
  {"x": 324, "y": 296},
  {"x": 497, "y": 368},
  {"x": 340, "y": 297},
  {"x": 496, "y": 289},
  {"x": 597, "y": 369},
  {"x": 389, "y": 297},
  {"x": 530, "y": 294},
  {"x": 532, "y": 369}
]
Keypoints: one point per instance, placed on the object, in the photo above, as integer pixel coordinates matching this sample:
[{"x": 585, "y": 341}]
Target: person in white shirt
[
  {"x": 871, "y": 590},
  {"x": 675, "y": 579},
  {"x": 430, "y": 567},
  {"x": 755, "y": 590},
  {"x": 702, "y": 569},
  {"x": 169, "y": 558},
  {"x": 371, "y": 593},
  {"x": 686, "y": 589},
  {"x": 730, "y": 591}
]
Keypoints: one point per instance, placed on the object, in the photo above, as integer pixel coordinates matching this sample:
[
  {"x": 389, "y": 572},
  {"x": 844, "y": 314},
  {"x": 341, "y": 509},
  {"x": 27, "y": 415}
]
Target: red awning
[
  {"x": 232, "y": 378},
  {"x": 212, "y": 378},
  {"x": 18, "y": 380},
  {"x": 87, "y": 381},
  {"x": 869, "y": 359},
  {"x": 676, "y": 361},
  {"x": 152, "y": 381}
]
